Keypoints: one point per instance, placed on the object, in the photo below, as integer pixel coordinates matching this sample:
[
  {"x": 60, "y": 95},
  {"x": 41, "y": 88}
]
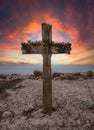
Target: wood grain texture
[
  {"x": 46, "y": 33},
  {"x": 47, "y": 84}
]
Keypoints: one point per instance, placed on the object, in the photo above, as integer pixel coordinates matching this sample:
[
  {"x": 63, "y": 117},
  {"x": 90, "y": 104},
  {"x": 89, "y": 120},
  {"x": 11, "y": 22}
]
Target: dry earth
[{"x": 20, "y": 105}]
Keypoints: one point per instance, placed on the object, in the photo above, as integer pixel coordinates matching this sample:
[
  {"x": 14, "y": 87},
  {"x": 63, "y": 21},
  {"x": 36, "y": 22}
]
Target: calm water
[{"x": 28, "y": 69}]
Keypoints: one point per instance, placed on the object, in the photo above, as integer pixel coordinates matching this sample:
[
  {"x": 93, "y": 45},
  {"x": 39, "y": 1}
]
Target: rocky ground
[{"x": 21, "y": 103}]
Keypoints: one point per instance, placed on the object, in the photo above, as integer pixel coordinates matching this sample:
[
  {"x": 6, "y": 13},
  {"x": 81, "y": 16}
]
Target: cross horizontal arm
[
  {"x": 57, "y": 48},
  {"x": 32, "y": 48},
  {"x": 42, "y": 48}
]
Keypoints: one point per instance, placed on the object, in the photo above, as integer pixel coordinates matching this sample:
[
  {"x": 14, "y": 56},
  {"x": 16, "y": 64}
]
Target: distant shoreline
[{"x": 29, "y": 69}]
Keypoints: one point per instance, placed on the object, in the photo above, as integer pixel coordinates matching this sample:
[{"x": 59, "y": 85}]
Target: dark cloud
[{"x": 73, "y": 14}]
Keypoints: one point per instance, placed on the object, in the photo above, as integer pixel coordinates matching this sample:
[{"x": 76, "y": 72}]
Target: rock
[
  {"x": 39, "y": 104},
  {"x": 1, "y": 110},
  {"x": 62, "y": 77},
  {"x": 56, "y": 78},
  {"x": 80, "y": 79},
  {"x": 7, "y": 114},
  {"x": 38, "y": 114},
  {"x": 84, "y": 76},
  {"x": 37, "y": 73},
  {"x": 27, "y": 112},
  {"x": 91, "y": 105},
  {"x": 77, "y": 74},
  {"x": 2, "y": 107},
  {"x": 3, "y": 76},
  {"x": 1, "y": 79},
  {"x": 29, "y": 108},
  {"x": 90, "y": 73},
  {"x": 54, "y": 106},
  {"x": 55, "y": 74},
  {"x": 31, "y": 77},
  {"x": 70, "y": 77},
  {"x": 79, "y": 122},
  {"x": 38, "y": 77},
  {"x": 36, "y": 122}
]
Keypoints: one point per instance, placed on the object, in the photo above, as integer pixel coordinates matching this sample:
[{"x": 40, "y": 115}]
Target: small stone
[
  {"x": 70, "y": 77},
  {"x": 38, "y": 114},
  {"x": 39, "y": 104},
  {"x": 1, "y": 80},
  {"x": 2, "y": 107},
  {"x": 37, "y": 73},
  {"x": 62, "y": 77},
  {"x": 7, "y": 114},
  {"x": 80, "y": 79},
  {"x": 54, "y": 106},
  {"x": 91, "y": 105},
  {"x": 78, "y": 122},
  {"x": 31, "y": 77},
  {"x": 56, "y": 78},
  {"x": 27, "y": 112},
  {"x": 29, "y": 108}
]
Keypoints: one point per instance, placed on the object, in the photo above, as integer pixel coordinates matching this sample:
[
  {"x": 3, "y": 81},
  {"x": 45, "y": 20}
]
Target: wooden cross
[{"x": 46, "y": 47}]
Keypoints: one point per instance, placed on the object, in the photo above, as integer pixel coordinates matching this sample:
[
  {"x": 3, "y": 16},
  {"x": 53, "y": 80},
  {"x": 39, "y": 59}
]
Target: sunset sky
[{"x": 72, "y": 21}]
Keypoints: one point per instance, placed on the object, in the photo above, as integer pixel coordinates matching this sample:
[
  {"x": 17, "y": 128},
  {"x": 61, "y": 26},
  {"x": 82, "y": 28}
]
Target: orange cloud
[
  {"x": 60, "y": 26},
  {"x": 29, "y": 28},
  {"x": 86, "y": 60},
  {"x": 8, "y": 46},
  {"x": 77, "y": 45},
  {"x": 77, "y": 49},
  {"x": 33, "y": 26}
]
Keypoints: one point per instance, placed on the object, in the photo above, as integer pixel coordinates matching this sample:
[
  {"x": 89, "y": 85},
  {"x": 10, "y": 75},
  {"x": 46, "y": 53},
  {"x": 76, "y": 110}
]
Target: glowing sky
[{"x": 72, "y": 20}]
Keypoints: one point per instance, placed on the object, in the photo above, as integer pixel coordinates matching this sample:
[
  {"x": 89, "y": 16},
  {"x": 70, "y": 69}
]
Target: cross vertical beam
[
  {"x": 47, "y": 81},
  {"x": 47, "y": 84},
  {"x": 46, "y": 33}
]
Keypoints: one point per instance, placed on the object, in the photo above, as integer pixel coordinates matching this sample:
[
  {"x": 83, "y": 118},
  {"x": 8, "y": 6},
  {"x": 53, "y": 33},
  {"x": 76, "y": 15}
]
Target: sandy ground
[{"x": 20, "y": 105}]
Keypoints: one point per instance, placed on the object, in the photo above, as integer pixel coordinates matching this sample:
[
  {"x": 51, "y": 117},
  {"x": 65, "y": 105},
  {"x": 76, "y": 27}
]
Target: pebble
[
  {"x": 7, "y": 114},
  {"x": 91, "y": 105}
]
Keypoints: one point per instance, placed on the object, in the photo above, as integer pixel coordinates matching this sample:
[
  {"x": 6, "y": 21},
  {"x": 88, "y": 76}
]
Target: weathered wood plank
[
  {"x": 60, "y": 48},
  {"x": 46, "y": 33},
  {"x": 47, "y": 84},
  {"x": 47, "y": 81},
  {"x": 37, "y": 48},
  {"x": 28, "y": 48}
]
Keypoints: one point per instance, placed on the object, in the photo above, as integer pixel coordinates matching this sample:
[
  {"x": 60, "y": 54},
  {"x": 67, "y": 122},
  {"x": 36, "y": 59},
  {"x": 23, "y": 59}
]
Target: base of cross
[{"x": 50, "y": 109}]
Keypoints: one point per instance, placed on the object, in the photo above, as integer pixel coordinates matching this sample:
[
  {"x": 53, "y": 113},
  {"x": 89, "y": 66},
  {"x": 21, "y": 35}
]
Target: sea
[{"x": 29, "y": 69}]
